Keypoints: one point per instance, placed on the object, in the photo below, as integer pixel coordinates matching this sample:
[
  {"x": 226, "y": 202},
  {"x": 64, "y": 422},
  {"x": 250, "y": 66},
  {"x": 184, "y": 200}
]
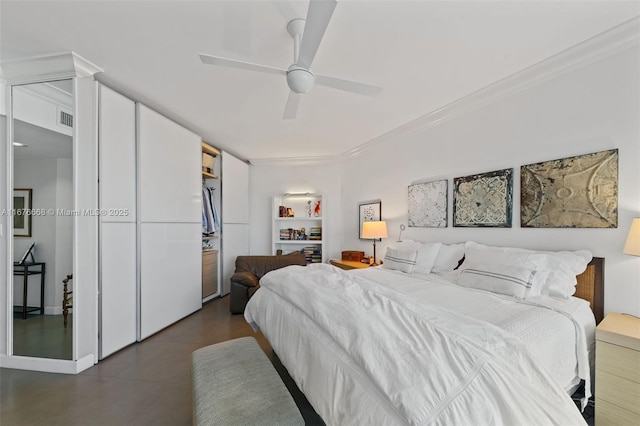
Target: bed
[{"x": 393, "y": 346}]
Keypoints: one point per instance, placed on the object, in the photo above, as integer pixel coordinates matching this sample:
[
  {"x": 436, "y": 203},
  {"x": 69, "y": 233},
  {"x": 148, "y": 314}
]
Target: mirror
[{"x": 43, "y": 219}]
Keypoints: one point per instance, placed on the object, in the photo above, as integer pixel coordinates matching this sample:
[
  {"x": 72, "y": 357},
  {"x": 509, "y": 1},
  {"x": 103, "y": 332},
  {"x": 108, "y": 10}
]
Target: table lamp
[
  {"x": 632, "y": 246},
  {"x": 374, "y": 230}
]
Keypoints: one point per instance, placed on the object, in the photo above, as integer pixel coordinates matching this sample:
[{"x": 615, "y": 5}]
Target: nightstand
[
  {"x": 618, "y": 370},
  {"x": 349, "y": 264}
]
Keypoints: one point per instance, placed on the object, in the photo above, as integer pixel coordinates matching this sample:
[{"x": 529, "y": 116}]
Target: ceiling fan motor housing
[{"x": 299, "y": 79}]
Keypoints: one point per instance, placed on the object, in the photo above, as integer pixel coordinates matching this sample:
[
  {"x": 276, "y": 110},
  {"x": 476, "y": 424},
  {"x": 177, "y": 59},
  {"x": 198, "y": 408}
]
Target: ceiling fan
[{"x": 307, "y": 35}]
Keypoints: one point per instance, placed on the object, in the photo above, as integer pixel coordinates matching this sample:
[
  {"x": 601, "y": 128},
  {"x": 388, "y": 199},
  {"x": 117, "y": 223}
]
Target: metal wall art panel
[
  {"x": 573, "y": 192},
  {"x": 483, "y": 200},
  {"x": 428, "y": 204}
]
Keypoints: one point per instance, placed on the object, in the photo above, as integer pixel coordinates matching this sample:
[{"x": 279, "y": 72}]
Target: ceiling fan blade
[
  {"x": 348, "y": 86},
  {"x": 291, "y": 109},
  {"x": 234, "y": 63},
  {"x": 315, "y": 25}
]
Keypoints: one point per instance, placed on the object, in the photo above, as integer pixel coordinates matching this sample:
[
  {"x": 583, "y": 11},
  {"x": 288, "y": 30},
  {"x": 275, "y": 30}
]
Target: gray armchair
[{"x": 249, "y": 269}]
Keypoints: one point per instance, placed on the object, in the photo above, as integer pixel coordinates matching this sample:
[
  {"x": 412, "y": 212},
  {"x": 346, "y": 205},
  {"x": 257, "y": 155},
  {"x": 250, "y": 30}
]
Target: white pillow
[
  {"x": 480, "y": 254},
  {"x": 512, "y": 280},
  {"x": 407, "y": 245},
  {"x": 564, "y": 266},
  {"x": 448, "y": 258},
  {"x": 401, "y": 260},
  {"x": 555, "y": 271},
  {"x": 426, "y": 258}
]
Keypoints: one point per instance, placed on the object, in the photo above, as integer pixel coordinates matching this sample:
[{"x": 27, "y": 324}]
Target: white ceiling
[
  {"x": 41, "y": 142},
  {"x": 425, "y": 54}
]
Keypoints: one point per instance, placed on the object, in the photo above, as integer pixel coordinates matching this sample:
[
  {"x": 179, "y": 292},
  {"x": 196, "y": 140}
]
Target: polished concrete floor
[
  {"x": 43, "y": 336},
  {"x": 144, "y": 384}
]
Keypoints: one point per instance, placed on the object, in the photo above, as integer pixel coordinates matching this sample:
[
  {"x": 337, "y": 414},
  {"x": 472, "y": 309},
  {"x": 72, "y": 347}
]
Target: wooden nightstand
[
  {"x": 349, "y": 264},
  {"x": 618, "y": 370}
]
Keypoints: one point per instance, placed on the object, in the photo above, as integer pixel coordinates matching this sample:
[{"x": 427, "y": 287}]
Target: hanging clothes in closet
[{"x": 210, "y": 216}]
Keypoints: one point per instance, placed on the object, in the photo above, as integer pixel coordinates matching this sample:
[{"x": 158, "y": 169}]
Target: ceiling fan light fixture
[
  {"x": 299, "y": 79},
  {"x": 307, "y": 35}
]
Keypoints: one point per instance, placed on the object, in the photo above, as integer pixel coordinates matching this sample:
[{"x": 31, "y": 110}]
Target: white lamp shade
[
  {"x": 374, "y": 230},
  {"x": 632, "y": 246}
]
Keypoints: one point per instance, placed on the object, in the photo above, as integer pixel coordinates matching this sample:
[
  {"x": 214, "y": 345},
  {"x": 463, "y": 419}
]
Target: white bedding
[
  {"x": 390, "y": 350},
  {"x": 559, "y": 333}
]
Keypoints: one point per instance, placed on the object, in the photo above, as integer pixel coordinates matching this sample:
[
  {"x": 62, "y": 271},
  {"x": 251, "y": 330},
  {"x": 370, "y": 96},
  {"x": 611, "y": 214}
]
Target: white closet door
[
  {"x": 170, "y": 164},
  {"x": 171, "y": 274},
  {"x": 235, "y": 214},
  {"x": 170, "y": 221},
  {"x": 117, "y": 195},
  {"x": 117, "y": 156},
  {"x": 118, "y": 280}
]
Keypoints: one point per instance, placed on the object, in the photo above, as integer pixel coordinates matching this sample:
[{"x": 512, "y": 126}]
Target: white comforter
[
  {"x": 364, "y": 353},
  {"x": 559, "y": 333}
]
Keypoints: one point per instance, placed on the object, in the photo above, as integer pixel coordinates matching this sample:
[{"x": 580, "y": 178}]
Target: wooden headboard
[{"x": 590, "y": 287}]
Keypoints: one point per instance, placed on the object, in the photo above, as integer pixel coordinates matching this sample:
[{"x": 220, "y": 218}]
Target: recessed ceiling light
[{"x": 20, "y": 144}]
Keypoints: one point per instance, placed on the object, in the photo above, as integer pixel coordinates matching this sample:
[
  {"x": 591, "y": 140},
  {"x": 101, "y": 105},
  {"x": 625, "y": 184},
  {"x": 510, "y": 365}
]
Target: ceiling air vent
[{"x": 66, "y": 119}]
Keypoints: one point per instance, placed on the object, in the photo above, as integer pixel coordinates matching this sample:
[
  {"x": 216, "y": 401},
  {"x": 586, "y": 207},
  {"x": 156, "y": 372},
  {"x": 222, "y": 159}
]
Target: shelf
[
  {"x": 285, "y": 219},
  {"x": 209, "y": 149},
  {"x": 210, "y": 237},
  {"x": 214, "y": 152},
  {"x": 297, "y": 207},
  {"x": 206, "y": 175},
  {"x": 298, "y": 242}
]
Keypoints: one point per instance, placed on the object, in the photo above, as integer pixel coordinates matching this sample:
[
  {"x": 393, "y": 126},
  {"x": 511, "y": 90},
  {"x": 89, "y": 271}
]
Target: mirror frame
[
  {"x": 43, "y": 69},
  {"x": 38, "y": 92}
]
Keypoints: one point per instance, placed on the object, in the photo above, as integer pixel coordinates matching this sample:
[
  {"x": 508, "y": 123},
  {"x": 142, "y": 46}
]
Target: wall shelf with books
[{"x": 298, "y": 225}]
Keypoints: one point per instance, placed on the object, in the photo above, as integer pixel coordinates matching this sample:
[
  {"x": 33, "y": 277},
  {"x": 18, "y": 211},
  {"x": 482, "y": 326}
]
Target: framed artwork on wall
[
  {"x": 483, "y": 200},
  {"x": 368, "y": 211},
  {"x": 22, "y": 205},
  {"x": 428, "y": 204},
  {"x": 573, "y": 192}
]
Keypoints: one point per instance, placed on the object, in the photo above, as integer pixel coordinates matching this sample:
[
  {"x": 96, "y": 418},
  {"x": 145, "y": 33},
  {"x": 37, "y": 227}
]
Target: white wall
[
  {"x": 588, "y": 109},
  {"x": 268, "y": 181},
  {"x": 3, "y": 101}
]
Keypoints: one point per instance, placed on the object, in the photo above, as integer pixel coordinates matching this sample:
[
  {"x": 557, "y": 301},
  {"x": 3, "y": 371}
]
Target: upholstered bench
[{"x": 234, "y": 383}]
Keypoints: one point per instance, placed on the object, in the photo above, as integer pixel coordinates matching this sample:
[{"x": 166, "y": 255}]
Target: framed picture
[
  {"x": 483, "y": 200},
  {"x": 573, "y": 192},
  {"x": 28, "y": 253},
  {"x": 21, "y": 206},
  {"x": 428, "y": 204},
  {"x": 368, "y": 211}
]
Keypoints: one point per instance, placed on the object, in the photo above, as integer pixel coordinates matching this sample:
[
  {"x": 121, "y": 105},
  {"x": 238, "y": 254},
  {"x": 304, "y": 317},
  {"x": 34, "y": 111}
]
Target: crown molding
[
  {"x": 608, "y": 43},
  {"x": 295, "y": 161},
  {"x": 36, "y": 69}
]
